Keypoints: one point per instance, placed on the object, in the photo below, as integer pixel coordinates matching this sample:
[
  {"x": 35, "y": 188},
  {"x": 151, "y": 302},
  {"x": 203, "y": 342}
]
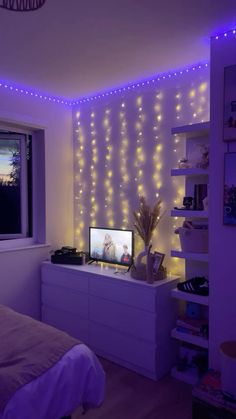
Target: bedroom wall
[
  {"x": 222, "y": 237},
  {"x": 123, "y": 149},
  {"x": 20, "y": 269}
]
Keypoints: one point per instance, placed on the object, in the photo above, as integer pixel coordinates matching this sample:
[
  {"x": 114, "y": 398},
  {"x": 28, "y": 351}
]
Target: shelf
[
  {"x": 193, "y": 339},
  {"x": 229, "y": 134},
  {"x": 189, "y": 213},
  {"x": 190, "y": 131},
  {"x": 189, "y": 376},
  {"x": 194, "y": 136},
  {"x": 201, "y": 257},
  {"x": 192, "y": 171},
  {"x": 200, "y": 299}
]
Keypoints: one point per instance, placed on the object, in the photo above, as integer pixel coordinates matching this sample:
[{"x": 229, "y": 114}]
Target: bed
[{"x": 57, "y": 389}]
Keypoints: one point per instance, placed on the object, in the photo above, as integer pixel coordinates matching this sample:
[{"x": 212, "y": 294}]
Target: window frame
[
  {"x": 23, "y": 185},
  {"x": 38, "y": 198}
]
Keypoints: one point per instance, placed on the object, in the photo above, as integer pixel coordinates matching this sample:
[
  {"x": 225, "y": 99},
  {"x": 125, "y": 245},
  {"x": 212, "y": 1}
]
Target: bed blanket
[{"x": 28, "y": 348}]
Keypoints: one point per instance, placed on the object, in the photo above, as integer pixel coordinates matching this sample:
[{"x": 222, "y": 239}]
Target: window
[
  {"x": 15, "y": 185},
  {"x": 22, "y": 186}
]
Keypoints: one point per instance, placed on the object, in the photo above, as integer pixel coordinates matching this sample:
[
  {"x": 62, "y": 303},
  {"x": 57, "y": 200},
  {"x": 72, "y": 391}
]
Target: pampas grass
[{"x": 146, "y": 219}]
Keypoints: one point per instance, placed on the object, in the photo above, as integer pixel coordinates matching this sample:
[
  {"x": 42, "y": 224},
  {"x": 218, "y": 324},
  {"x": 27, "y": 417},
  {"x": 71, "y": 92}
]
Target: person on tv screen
[
  {"x": 109, "y": 249},
  {"x": 126, "y": 257}
]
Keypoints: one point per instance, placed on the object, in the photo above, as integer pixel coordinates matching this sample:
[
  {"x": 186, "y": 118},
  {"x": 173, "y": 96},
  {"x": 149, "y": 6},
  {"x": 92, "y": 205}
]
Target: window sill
[{"x": 24, "y": 247}]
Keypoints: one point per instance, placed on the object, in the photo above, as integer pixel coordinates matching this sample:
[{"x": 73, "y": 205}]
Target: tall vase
[
  {"x": 141, "y": 255},
  {"x": 149, "y": 263},
  {"x": 149, "y": 267}
]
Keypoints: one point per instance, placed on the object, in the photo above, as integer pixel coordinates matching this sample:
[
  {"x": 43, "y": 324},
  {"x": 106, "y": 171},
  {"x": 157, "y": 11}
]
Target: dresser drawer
[
  {"x": 132, "y": 350},
  {"x": 68, "y": 322},
  {"x": 125, "y": 293},
  {"x": 123, "y": 318},
  {"x": 65, "y": 276},
  {"x": 65, "y": 299}
]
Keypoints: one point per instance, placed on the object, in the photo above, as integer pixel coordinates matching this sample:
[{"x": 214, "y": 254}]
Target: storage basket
[
  {"x": 193, "y": 240},
  {"x": 140, "y": 273}
]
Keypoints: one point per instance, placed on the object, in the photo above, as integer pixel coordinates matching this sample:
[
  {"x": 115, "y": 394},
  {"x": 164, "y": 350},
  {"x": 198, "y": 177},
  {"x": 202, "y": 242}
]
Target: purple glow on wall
[{"x": 130, "y": 86}]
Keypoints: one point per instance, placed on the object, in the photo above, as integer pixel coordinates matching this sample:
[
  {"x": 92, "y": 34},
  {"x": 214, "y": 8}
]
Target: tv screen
[{"x": 111, "y": 245}]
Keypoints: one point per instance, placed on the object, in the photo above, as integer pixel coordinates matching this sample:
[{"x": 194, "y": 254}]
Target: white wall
[
  {"x": 19, "y": 270},
  {"x": 141, "y": 118},
  {"x": 222, "y": 238}
]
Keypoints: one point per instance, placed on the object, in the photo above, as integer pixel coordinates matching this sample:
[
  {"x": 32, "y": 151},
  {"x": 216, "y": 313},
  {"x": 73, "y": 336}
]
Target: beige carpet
[{"x": 132, "y": 396}]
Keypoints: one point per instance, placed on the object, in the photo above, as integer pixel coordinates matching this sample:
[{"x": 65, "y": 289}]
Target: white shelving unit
[
  {"x": 189, "y": 213},
  {"x": 190, "y": 130},
  {"x": 199, "y": 299},
  {"x": 193, "y": 339},
  {"x": 189, "y": 172},
  {"x": 190, "y": 376},
  {"x": 200, "y": 257},
  {"x": 196, "y": 264}
]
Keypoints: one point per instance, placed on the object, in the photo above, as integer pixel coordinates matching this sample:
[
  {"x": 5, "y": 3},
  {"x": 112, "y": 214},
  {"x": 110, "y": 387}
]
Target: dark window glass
[
  {"x": 15, "y": 185},
  {"x": 10, "y": 187}
]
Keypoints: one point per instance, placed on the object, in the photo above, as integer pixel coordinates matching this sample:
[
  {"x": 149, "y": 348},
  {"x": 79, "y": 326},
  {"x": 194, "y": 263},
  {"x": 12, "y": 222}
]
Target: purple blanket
[{"x": 28, "y": 348}]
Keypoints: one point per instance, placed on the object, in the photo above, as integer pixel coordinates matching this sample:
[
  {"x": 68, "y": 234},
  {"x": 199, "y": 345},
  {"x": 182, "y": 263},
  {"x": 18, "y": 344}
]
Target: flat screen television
[{"x": 111, "y": 245}]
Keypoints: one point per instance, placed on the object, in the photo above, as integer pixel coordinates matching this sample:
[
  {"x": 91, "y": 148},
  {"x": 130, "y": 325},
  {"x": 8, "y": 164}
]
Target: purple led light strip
[
  {"x": 225, "y": 35},
  {"x": 144, "y": 83},
  {"x": 126, "y": 88},
  {"x": 38, "y": 95}
]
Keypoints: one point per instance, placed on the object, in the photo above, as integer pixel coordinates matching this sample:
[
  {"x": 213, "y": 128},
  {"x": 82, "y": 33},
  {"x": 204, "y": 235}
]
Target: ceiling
[{"x": 73, "y": 48}]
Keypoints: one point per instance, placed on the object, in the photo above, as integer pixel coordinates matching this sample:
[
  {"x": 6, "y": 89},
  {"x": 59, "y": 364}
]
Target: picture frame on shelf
[
  {"x": 229, "y": 205},
  {"x": 157, "y": 261},
  {"x": 229, "y": 127}
]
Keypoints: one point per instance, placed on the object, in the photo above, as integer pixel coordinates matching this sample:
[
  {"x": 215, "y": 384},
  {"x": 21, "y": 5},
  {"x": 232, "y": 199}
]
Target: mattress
[{"x": 76, "y": 379}]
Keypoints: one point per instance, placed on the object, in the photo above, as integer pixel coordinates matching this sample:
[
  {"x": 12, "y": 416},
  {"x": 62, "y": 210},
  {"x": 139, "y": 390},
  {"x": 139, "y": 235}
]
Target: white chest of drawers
[{"x": 124, "y": 320}]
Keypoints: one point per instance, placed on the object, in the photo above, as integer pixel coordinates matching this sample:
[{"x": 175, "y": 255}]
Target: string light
[
  {"x": 124, "y": 174},
  {"x": 139, "y": 152},
  {"x": 109, "y": 172},
  {"x": 93, "y": 172},
  {"x": 157, "y": 159},
  {"x": 118, "y": 156},
  {"x": 79, "y": 185},
  {"x": 178, "y": 106}
]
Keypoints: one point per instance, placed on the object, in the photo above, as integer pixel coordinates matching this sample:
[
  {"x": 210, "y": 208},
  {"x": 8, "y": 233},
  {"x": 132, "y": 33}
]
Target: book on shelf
[
  {"x": 197, "y": 327},
  {"x": 193, "y": 324},
  {"x": 182, "y": 329}
]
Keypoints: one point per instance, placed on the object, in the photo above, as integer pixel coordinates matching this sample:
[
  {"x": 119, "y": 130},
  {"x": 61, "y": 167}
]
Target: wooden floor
[{"x": 132, "y": 396}]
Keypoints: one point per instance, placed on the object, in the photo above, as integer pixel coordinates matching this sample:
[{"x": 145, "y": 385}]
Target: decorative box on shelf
[{"x": 193, "y": 240}]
